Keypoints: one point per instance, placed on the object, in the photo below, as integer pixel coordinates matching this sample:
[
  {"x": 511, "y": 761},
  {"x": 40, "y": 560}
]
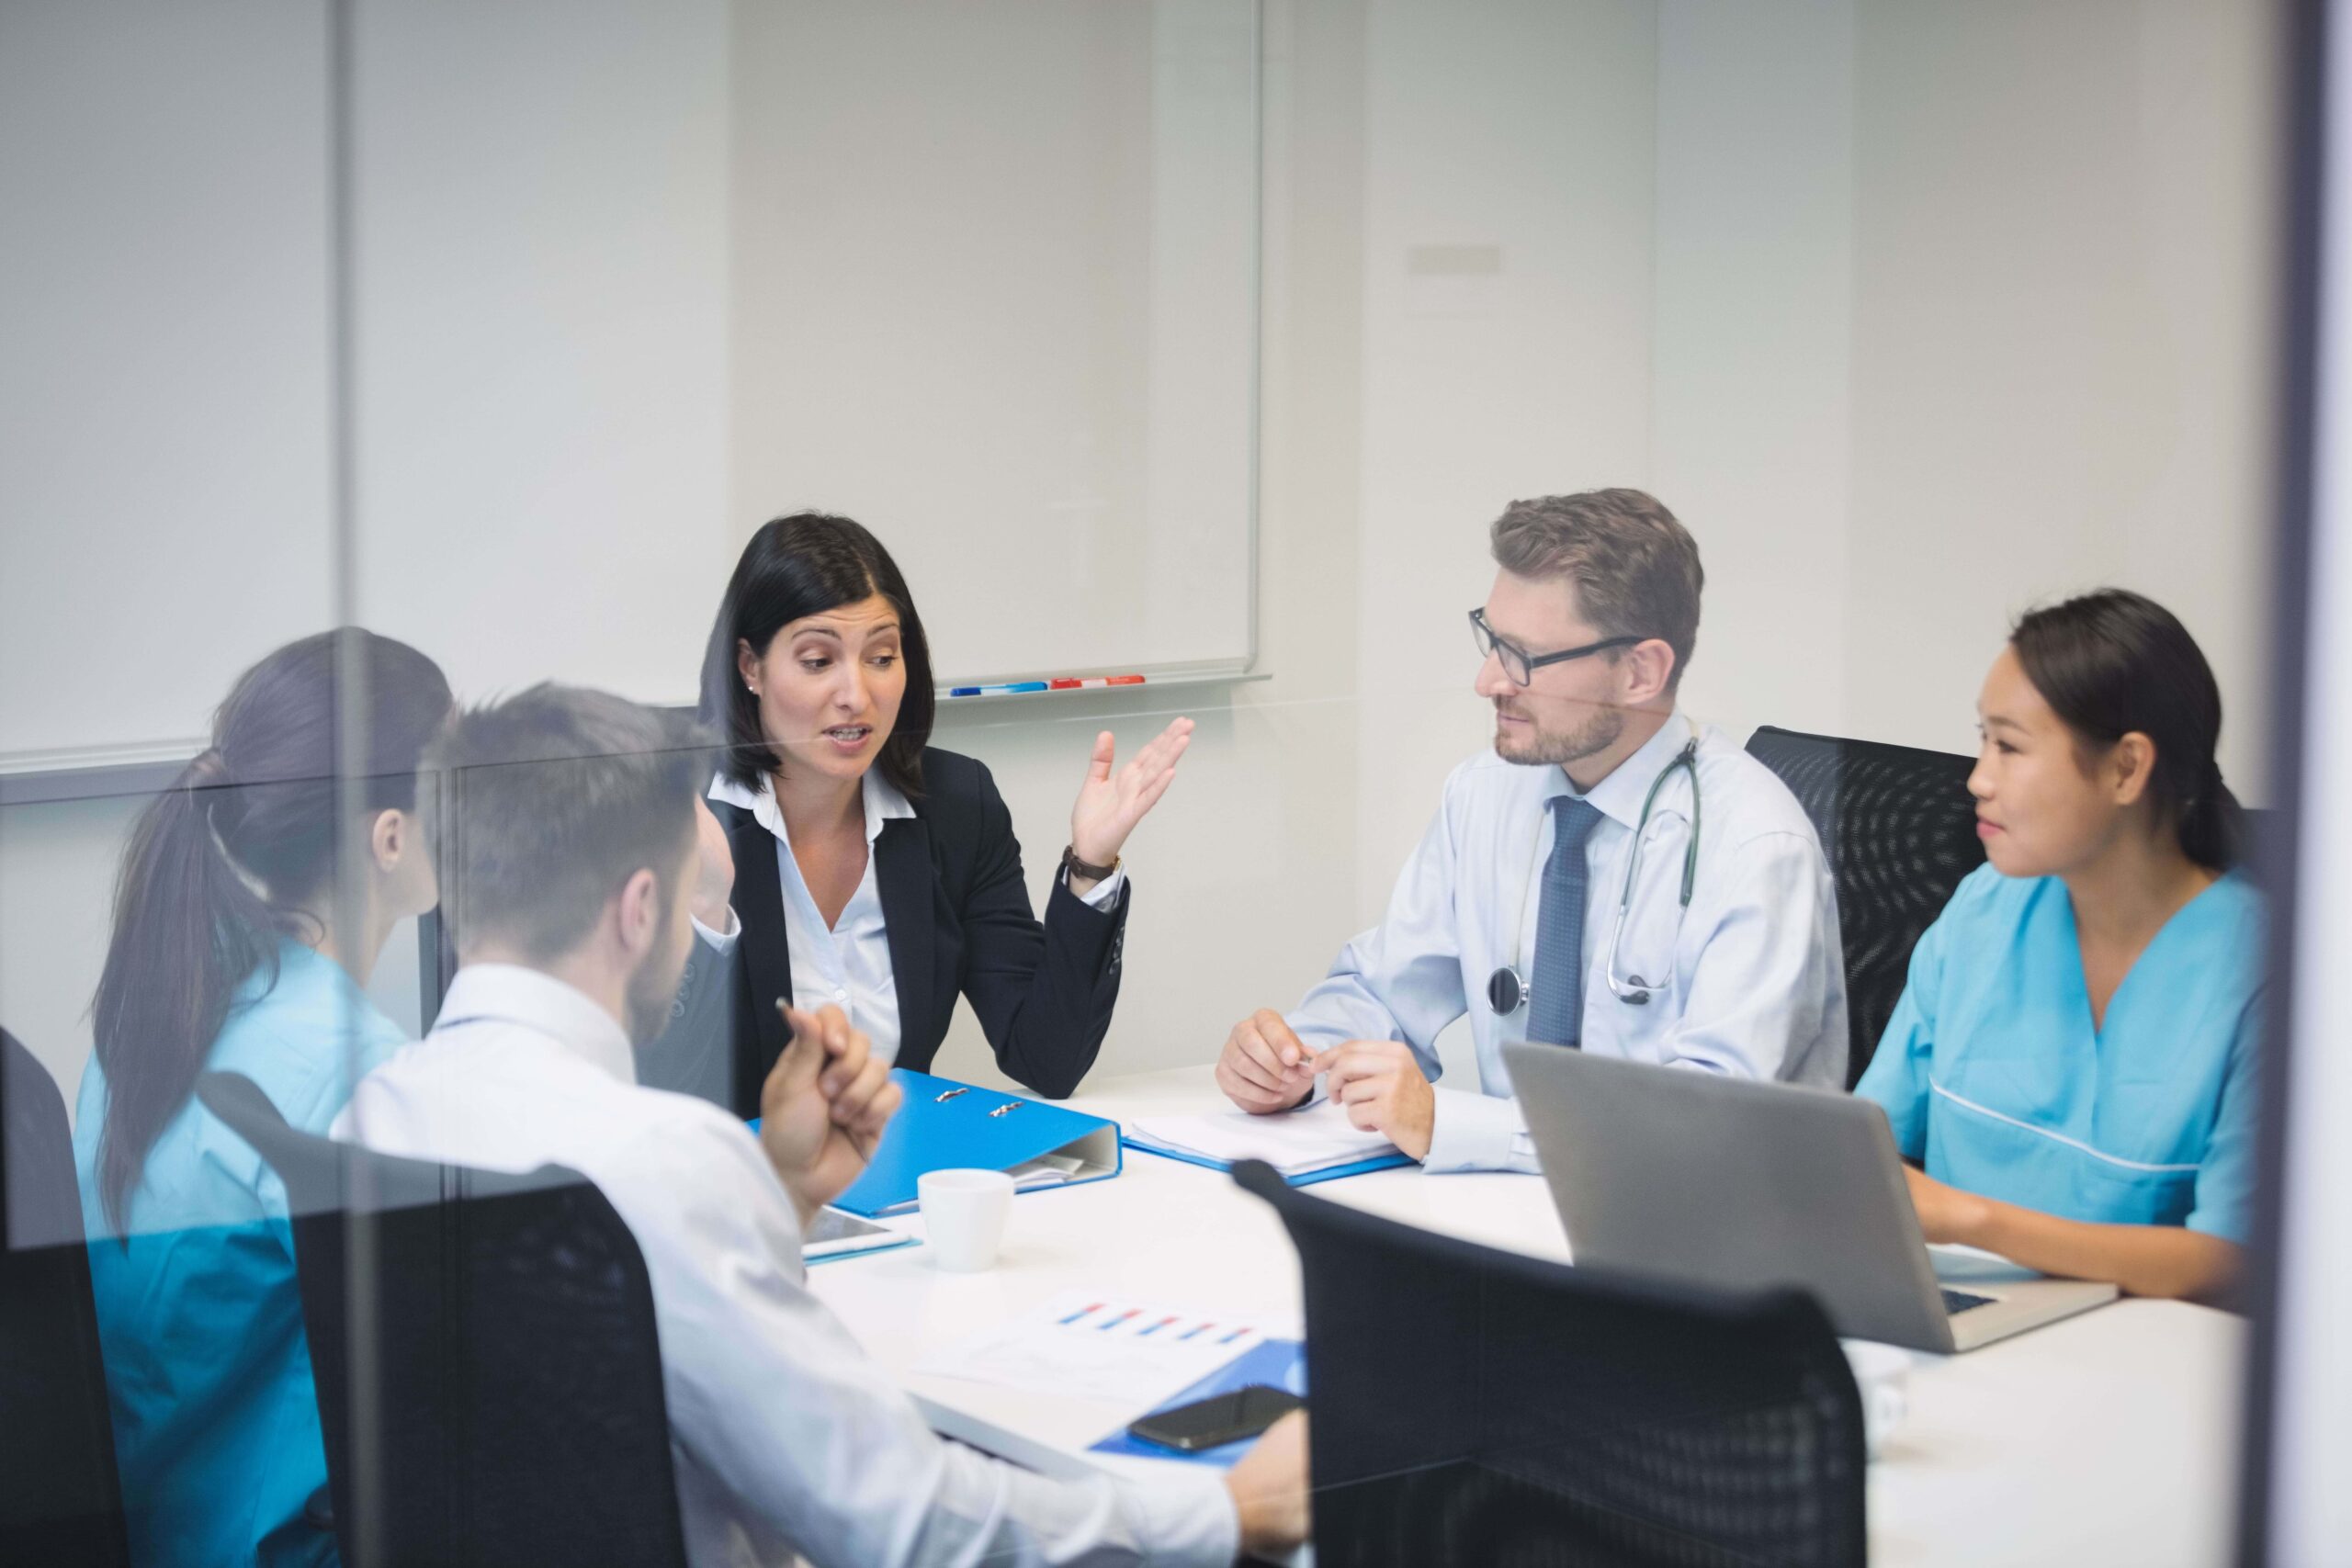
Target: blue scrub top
[
  {"x": 1990, "y": 1069},
  {"x": 216, "y": 1424}
]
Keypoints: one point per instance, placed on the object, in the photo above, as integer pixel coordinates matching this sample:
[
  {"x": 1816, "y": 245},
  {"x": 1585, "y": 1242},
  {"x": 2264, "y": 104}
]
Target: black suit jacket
[{"x": 957, "y": 911}]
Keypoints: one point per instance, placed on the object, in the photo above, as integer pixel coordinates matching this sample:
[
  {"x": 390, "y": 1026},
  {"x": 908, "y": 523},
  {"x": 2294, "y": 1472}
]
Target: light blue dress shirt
[
  {"x": 1750, "y": 979},
  {"x": 216, "y": 1421},
  {"x": 1991, "y": 1072}
]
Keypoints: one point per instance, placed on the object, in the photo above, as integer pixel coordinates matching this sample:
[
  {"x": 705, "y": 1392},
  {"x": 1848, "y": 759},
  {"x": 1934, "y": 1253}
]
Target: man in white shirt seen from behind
[
  {"x": 1724, "y": 959},
  {"x": 575, "y": 833}
]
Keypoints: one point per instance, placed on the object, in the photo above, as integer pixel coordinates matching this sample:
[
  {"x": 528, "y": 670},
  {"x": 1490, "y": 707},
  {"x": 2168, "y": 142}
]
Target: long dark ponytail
[
  {"x": 2114, "y": 663},
  {"x": 222, "y": 863}
]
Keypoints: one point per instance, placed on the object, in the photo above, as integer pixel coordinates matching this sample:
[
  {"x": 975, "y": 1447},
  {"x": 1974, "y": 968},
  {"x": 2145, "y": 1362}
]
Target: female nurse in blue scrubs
[
  {"x": 237, "y": 948},
  {"x": 2073, "y": 1059}
]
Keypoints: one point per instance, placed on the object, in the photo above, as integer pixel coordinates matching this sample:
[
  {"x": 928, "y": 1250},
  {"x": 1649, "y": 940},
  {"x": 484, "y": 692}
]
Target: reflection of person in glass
[
  {"x": 874, "y": 872},
  {"x": 236, "y": 948},
  {"x": 1609, "y": 874},
  {"x": 573, "y": 872},
  {"x": 2073, "y": 1059}
]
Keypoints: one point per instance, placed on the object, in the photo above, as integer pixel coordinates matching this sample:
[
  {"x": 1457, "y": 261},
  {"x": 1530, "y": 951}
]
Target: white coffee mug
[
  {"x": 963, "y": 1216},
  {"x": 1882, "y": 1376}
]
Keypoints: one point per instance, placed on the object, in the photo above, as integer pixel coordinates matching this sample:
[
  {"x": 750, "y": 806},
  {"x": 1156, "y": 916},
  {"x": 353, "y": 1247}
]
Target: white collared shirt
[
  {"x": 1749, "y": 980},
  {"x": 787, "y": 1438},
  {"x": 847, "y": 964}
]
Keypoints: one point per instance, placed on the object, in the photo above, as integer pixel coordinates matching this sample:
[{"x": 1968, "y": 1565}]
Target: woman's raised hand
[{"x": 1110, "y": 804}]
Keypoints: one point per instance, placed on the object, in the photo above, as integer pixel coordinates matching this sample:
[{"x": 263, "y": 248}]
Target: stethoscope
[{"x": 1507, "y": 988}]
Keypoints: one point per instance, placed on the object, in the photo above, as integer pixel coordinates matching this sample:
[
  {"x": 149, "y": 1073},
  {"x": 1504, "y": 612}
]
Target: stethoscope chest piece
[{"x": 1506, "y": 992}]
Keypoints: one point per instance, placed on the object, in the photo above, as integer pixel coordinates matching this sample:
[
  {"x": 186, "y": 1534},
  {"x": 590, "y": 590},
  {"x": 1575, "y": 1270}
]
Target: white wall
[
  {"x": 56, "y": 897},
  {"x": 1751, "y": 400},
  {"x": 2062, "y": 332},
  {"x": 1508, "y": 274},
  {"x": 1011, "y": 331}
]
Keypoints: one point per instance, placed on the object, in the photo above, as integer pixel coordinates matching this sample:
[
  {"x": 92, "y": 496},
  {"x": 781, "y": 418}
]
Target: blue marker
[{"x": 997, "y": 691}]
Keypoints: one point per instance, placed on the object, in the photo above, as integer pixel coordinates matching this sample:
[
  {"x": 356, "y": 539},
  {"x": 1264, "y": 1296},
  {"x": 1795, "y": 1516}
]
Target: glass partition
[{"x": 590, "y": 539}]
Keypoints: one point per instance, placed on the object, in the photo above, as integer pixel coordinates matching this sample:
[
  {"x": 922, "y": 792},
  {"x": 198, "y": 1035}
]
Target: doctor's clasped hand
[
  {"x": 1265, "y": 1067},
  {"x": 1381, "y": 1088}
]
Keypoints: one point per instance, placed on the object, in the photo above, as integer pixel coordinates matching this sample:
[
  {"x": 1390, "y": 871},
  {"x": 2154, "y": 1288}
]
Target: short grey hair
[
  {"x": 1635, "y": 567},
  {"x": 552, "y": 800}
]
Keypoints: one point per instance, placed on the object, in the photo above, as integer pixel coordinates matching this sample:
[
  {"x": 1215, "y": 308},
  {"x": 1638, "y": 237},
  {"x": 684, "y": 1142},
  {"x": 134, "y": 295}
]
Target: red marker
[{"x": 1063, "y": 683}]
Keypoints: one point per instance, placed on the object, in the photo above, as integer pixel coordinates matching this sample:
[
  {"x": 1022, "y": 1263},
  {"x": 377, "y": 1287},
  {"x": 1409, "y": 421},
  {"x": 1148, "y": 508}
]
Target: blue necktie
[{"x": 1555, "y": 1011}]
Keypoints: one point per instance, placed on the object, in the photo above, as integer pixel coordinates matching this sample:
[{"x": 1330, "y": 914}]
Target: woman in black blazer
[{"x": 871, "y": 871}]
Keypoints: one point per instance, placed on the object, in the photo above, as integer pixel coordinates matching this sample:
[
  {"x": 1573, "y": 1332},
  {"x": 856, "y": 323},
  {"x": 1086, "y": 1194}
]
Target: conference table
[{"x": 2110, "y": 1437}]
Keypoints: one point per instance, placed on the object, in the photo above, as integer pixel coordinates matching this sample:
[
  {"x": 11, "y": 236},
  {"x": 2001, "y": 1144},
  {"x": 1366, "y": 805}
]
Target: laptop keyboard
[{"x": 1956, "y": 1301}]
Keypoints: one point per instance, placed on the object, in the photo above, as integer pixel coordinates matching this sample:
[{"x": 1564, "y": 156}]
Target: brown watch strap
[{"x": 1073, "y": 866}]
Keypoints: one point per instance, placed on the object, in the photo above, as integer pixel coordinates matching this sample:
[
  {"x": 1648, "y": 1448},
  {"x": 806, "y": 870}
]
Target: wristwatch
[{"x": 1074, "y": 868}]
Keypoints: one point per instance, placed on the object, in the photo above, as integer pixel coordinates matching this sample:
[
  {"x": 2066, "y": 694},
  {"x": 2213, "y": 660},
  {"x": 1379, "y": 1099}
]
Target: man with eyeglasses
[{"x": 1611, "y": 876}]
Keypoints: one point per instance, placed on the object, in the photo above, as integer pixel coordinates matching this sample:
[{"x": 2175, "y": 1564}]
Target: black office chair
[
  {"x": 43, "y": 1200},
  {"x": 1899, "y": 828},
  {"x": 1468, "y": 1405},
  {"x": 498, "y": 1400},
  {"x": 61, "y": 1498}
]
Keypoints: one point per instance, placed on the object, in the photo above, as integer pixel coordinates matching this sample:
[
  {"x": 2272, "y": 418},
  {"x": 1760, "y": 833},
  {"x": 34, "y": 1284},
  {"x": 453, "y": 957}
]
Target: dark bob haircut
[
  {"x": 797, "y": 566},
  {"x": 2112, "y": 663}
]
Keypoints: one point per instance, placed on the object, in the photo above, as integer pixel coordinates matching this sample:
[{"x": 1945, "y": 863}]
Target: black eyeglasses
[{"x": 1521, "y": 665}]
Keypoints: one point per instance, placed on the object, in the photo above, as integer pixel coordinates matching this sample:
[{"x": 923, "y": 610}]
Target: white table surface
[{"x": 2108, "y": 1437}]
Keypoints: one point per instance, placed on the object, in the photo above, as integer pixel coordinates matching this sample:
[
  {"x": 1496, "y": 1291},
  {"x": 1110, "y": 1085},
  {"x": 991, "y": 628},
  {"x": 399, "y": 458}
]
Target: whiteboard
[
  {"x": 628, "y": 278},
  {"x": 997, "y": 299}
]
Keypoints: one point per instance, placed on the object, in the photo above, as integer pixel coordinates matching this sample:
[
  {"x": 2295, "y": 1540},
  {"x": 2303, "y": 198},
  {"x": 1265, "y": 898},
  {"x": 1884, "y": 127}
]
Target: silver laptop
[{"x": 1732, "y": 1183}]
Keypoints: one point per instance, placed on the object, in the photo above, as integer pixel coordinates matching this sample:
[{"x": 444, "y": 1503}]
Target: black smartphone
[{"x": 1219, "y": 1420}]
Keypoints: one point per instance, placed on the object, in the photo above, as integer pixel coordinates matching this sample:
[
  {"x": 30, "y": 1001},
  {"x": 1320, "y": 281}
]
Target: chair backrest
[
  {"x": 61, "y": 1498},
  {"x": 489, "y": 1373},
  {"x": 1899, "y": 828},
  {"x": 1471, "y": 1405},
  {"x": 41, "y": 1199}
]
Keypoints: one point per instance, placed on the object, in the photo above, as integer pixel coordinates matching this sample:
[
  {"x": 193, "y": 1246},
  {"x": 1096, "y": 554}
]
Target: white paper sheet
[
  {"x": 1294, "y": 1142},
  {"x": 1100, "y": 1347}
]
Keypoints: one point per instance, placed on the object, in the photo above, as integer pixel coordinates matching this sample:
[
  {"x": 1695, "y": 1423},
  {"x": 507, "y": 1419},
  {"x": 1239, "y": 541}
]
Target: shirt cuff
[
  {"x": 1475, "y": 1131},
  {"x": 1105, "y": 893},
  {"x": 720, "y": 941},
  {"x": 1185, "y": 1521}
]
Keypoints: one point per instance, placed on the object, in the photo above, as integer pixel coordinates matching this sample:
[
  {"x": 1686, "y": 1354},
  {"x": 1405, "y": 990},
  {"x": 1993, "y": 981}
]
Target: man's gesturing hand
[{"x": 824, "y": 1107}]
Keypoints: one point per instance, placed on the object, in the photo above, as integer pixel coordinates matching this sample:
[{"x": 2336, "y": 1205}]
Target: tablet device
[{"x": 831, "y": 1231}]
